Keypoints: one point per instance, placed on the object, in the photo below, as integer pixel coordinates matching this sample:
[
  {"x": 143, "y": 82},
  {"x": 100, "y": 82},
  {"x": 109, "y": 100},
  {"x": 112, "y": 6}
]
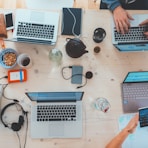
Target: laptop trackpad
[
  {"x": 56, "y": 129},
  {"x": 142, "y": 102},
  {"x": 37, "y": 16}
]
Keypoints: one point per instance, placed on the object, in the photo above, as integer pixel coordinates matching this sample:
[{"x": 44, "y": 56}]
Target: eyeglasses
[{"x": 129, "y": 1}]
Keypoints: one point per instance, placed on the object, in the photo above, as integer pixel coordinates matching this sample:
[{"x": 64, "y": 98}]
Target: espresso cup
[{"x": 24, "y": 60}]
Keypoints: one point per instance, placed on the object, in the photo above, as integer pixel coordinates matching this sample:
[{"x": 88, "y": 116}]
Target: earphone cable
[
  {"x": 18, "y": 139},
  {"x": 62, "y": 71},
  {"x": 26, "y": 113},
  {"x": 3, "y": 93}
]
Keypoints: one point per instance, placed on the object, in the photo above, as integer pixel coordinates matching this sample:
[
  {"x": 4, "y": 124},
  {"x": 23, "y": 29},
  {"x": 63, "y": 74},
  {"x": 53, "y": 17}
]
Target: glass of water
[
  {"x": 55, "y": 55},
  {"x": 102, "y": 104}
]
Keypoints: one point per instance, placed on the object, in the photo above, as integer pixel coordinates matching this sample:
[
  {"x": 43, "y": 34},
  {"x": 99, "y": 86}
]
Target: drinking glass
[{"x": 102, "y": 104}]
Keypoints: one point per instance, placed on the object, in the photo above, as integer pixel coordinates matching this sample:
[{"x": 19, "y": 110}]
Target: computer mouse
[{"x": 99, "y": 35}]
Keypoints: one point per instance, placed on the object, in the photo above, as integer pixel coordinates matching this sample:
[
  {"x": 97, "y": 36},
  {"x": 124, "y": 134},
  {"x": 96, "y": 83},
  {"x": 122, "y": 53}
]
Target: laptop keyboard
[
  {"x": 56, "y": 113},
  {"x": 35, "y": 30},
  {"x": 134, "y": 34},
  {"x": 139, "y": 91}
]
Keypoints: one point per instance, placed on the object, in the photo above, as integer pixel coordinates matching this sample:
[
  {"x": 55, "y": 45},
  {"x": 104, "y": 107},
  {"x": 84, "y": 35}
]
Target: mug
[{"x": 24, "y": 60}]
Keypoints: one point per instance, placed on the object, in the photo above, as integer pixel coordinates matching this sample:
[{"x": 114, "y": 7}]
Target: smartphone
[
  {"x": 143, "y": 116},
  {"x": 9, "y": 21},
  {"x": 77, "y": 73}
]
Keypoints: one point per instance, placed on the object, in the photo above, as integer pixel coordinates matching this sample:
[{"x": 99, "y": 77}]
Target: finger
[
  {"x": 121, "y": 28},
  {"x": 144, "y": 23},
  {"x": 117, "y": 26},
  {"x": 136, "y": 118},
  {"x": 146, "y": 34},
  {"x": 130, "y": 17}
]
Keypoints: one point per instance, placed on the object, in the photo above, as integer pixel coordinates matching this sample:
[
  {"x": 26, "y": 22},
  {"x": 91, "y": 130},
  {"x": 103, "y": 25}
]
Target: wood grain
[{"x": 86, "y": 4}]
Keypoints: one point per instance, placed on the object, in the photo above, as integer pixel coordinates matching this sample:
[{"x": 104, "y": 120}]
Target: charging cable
[{"x": 88, "y": 75}]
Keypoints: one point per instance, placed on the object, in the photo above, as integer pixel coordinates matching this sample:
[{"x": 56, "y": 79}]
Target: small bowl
[{"x": 8, "y": 58}]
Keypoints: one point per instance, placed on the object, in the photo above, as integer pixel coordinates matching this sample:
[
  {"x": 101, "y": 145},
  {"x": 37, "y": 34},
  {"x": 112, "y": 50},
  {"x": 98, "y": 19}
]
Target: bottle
[{"x": 55, "y": 55}]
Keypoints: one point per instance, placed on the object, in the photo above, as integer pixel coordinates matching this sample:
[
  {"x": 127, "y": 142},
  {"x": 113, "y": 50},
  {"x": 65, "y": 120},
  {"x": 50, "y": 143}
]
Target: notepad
[{"x": 71, "y": 21}]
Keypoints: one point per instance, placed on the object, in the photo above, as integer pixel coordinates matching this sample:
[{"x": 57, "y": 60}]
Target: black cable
[
  {"x": 4, "y": 77},
  {"x": 73, "y": 76},
  {"x": 3, "y": 94},
  {"x": 18, "y": 139},
  {"x": 62, "y": 71},
  {"x": 26, "y": 113}
]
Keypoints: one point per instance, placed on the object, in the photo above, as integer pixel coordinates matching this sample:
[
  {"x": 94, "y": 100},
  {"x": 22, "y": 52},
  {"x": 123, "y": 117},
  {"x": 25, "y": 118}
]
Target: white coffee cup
[{"x": 24, "y": 60}]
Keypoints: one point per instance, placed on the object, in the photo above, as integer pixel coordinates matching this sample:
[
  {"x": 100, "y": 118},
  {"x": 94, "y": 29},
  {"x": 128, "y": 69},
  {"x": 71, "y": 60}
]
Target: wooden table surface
[{"x": 109, "y": 68}]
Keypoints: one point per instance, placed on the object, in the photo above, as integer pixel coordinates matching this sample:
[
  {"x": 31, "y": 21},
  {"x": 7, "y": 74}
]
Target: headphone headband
[{"x": 21, "y": 117}]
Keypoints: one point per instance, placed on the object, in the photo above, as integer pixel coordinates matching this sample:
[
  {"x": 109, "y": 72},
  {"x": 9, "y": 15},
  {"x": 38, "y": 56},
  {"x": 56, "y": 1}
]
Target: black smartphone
[
  {"x": 77, "y": 73},
  {"x": 143, "y": 116},
  {"x": 9, "y": 21}
]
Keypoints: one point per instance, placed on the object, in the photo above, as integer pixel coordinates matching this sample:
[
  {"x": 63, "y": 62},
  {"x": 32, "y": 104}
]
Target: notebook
[
  {"x": 134, "y": 40},
  {"x": 135, "y": 91},
  {"x": 36, "y": 26},
  {"x": 71, "y": 21},
  {"x": 56, "y": 114}
]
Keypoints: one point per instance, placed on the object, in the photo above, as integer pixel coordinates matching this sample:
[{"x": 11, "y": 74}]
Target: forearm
[
  {"x": 118, "y": 140},
  {"x": 112, "y": 4}
]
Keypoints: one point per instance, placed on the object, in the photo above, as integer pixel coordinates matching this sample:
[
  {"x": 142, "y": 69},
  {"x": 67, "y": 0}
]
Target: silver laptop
[
  {"x": 56, "y": 114},
  {"x": 36, "y": 26},
  {"x": 134, "y": 40},
  {"x": 135, "y": 91}
]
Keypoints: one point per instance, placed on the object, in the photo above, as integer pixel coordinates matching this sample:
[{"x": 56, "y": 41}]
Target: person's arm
[
  {"x": 117, "y": 141},
  {"x": 111, "y": 4},
  {"x": 120, "y": 15},
  {"x": 143, "y": 24}
]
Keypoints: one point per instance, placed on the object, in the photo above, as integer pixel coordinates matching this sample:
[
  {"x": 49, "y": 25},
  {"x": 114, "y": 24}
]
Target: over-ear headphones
[{"x": 15, "y": 126}]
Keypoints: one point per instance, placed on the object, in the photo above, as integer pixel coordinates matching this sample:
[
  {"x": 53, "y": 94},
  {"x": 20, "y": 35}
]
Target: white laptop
[
  {"x": 56, "y": 114},
  {"x": 134, "y": 40},
  {"x": 36, "y": 26}
]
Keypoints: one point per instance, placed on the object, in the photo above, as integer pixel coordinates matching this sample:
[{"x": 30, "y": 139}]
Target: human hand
[
  {"x": 121, "y": 19},
  {"x": 145, "y": 23},
  {"x": 131, "y": 126}
]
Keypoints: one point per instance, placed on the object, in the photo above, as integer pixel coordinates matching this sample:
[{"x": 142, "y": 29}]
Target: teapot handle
[{"x": 68, "y": 39}]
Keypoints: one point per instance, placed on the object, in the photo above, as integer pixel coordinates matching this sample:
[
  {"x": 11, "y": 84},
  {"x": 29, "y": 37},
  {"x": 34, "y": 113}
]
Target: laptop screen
[
  {"x": 54, "y": 96},
  {"x": 137, "y": 77}
]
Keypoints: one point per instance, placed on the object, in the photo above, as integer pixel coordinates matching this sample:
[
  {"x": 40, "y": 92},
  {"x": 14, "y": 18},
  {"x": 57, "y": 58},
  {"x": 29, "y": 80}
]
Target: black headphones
[{"x": 15, "y": 126}]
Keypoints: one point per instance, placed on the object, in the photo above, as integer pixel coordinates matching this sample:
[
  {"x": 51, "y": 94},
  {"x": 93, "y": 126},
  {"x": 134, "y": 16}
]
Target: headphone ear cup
[
  {"x": 15, "y": 126},
  {"x": 21, "y": 120}
]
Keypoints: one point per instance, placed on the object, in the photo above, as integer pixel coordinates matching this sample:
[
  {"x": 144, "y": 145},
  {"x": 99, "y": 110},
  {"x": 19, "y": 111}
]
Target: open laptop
[
  {"x": 36, "y": 26},
  {"x": 135, "y": 91},
  {"x": 56, "y": 114},
  {"x": 134, "y": 40}
]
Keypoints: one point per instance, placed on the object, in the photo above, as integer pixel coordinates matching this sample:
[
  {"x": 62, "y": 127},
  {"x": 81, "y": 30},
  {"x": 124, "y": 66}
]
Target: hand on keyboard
[{"x": 143, "y": 24}]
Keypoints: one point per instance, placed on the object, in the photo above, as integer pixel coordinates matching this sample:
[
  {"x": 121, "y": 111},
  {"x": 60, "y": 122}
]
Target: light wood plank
[{"x": 86, "y": 4}]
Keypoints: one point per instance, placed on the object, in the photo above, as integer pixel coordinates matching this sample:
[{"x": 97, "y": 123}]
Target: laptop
[
  {"x": 36, "y": 26},
  {"x": 134, "y": 40},
  {"x": 56, "y": 114},
  {"x": 135, "y": 91}
]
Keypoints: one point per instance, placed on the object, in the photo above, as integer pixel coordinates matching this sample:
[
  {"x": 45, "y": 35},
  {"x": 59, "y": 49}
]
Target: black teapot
[{"x": 75, "y": 48}]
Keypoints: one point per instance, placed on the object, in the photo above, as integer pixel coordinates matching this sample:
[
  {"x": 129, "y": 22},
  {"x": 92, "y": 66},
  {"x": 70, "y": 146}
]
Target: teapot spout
[{"x": 85, "y": 51}]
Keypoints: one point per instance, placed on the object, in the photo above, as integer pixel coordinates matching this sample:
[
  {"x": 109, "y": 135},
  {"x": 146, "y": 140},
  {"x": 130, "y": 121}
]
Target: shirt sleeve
[{"x": 112, "y": 4}]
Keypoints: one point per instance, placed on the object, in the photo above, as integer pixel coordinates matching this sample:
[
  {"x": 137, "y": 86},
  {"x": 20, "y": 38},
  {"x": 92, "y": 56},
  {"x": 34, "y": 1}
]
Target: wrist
[{"x": 127, "y": 130}]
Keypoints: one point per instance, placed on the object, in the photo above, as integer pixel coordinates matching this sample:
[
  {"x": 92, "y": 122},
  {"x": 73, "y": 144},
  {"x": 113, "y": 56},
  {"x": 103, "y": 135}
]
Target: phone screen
[
  {"x": 143, "y": 117},
  {"x": 9, "y": 20}
]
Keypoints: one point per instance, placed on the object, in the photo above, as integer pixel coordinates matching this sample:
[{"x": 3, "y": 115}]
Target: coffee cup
[{"x": 24, "y": 60}]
